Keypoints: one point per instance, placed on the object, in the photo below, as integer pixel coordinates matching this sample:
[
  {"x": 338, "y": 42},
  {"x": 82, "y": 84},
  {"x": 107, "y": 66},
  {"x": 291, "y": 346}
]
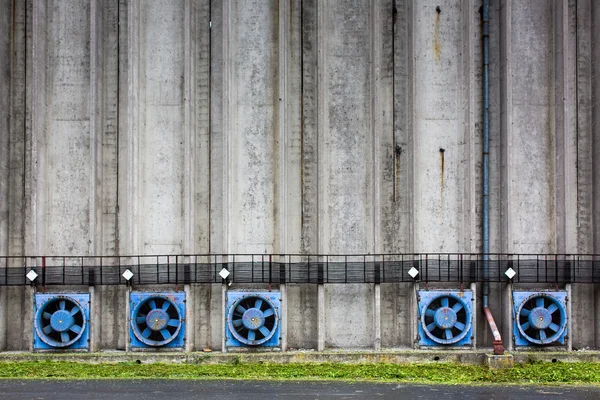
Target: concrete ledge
[
  {"x": 352, "y": 357},
  {"x": 500, "y": 362}
]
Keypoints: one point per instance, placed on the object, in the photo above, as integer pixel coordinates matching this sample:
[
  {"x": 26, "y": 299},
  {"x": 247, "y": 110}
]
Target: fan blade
[
  {"x": 258, "y": 303},
  {"x": 448, "y": 334},
  {"x": 553, "y": 307},
  {"x": 46, "y": 315},
  {"x": 554, "y": 327},
  {"x": 268, "y": 313},
  {"x": 542, "y": 335},
  {"x": 539, "y": 302},
  {"x": 457, "y": 307},
  {"x": 460, "y": 326},
  {"x": 47, "y": 330},
  {"x": 251, "y": 335},
  {"x": 166, "y": 305},
  {"x": 141, "y": 319},
  {"x": 240, "y": 309},
  {"x": 64, "y": 337},
  {"x": 165, "y": 334},
  {"x": 525, "y": 326},
  {"x": 76, "y": 329},
  {"x": 146, "y": 333},
  {"x": 152, "y": 304},
  {"x": 75, "y": 310},
  {"x": 525, "y": 312},
  {"x": 62, "y": 304},
  {"x": 431, "y": 327},
  {"x": 444, "y": 302},
  {"x": 264, "y": 331},
  {"x": 237, "y": 322},
  {"x": 174, "y": 322},
  {"x": 430, "y": 313}
]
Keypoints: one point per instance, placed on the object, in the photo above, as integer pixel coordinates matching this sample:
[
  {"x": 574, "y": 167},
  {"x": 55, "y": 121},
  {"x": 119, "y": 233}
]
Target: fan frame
[
  {"x": 427, "y": 338},
  {"x": 41, "y": 340},
  {"x": 137, "y": 301},
  {"x": 521, "y": 337},
  {"x": 234, "y": 338}
]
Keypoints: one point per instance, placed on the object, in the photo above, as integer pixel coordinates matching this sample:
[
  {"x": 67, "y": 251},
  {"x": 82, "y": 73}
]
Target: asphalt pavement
[{"x": 237, "y": 390}]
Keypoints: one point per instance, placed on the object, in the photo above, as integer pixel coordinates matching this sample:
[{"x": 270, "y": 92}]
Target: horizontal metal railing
[{"x": 296, "y": 268}]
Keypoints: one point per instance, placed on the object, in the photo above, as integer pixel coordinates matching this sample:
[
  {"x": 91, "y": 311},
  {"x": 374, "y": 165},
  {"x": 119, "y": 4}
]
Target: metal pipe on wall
[{"x": 498, "y": 346}]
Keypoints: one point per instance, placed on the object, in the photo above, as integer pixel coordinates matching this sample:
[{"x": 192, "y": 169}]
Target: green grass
[{"x": 535, "y": 373}]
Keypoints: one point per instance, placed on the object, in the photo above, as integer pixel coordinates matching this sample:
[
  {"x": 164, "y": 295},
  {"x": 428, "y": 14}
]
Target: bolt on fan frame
[
  {"x": 253, "y": 319},
  {"x": 540, "y": 318},
  {"x": 61, "y": 321},
  {"x": 157, "y": 320},
  {"x": 445, "y": 318}
]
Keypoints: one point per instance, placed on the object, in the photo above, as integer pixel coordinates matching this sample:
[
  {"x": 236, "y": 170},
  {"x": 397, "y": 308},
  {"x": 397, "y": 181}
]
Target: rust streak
[{"x": 437, "y": 44}]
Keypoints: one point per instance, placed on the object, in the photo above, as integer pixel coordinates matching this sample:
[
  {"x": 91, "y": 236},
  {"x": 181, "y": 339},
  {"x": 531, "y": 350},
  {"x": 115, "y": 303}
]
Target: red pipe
[{"x": 498, "y": 346}]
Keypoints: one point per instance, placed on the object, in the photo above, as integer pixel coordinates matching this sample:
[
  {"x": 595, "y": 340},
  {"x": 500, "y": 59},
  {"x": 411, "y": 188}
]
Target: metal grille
[{"x": 308, "y": 269}]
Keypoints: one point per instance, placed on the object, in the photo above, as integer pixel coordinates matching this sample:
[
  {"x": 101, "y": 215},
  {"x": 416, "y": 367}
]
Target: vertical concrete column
[
  {"x": 223, "y": 327},
  {"x": 438, "y": 124},
  {"x": 21, "y": 29},
  {"x": 196, "y": 150},
  {"x": 107, "y": 117},
  {"x": 95, "y": 323},
  {"x": 377, "y": 317},
  {"x": 189, "y": 319},
  {"x": 595, "y": 28},
  {"x": 397, "y": 236},
  {"x": 346, "y": 147},
  {"x": 507, "y": 317},
  {"x": 321, "y": 317},
  {"x": 570, "y": 322},
  {"x": 566, "y": 177},
  {"x": 6, "y": 23},
  {"x": 284, "y": 317},
  {"x": 585, "y": 130},
  {"x": 36, "y": 134},
  {"x": 154, "y": 171},
  {"x": 529, "y": 209}
]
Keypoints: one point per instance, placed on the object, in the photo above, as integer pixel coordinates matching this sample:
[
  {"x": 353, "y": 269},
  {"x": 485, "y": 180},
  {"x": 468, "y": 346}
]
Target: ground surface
[{"x": 263, "y": 390}]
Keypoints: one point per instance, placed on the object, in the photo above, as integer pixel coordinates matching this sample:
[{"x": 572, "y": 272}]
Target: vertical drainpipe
[{"x": 498, "y": 346}]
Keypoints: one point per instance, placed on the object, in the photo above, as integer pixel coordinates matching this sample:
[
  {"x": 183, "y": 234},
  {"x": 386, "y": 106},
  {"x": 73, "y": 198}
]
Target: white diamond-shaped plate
[
  {"x": 224, "y": 273},
  {"x": 31, "y": 275},
  {"x": 413, "y": 272},
  {"x": 127, "y": 274},
  {"x": 510, "y": 273}
]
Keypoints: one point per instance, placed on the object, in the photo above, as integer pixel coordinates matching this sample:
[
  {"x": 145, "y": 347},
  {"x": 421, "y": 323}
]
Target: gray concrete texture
[{"x": 263, "y": 126}]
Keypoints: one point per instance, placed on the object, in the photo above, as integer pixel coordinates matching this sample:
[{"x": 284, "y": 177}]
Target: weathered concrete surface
[
  {"x": 108, "y": 317},
  {"x": 5, "y": 40},
  {"x": 349, "y": 316},
  {"x": 19, "y": 301},
  {"x": 302, "y": 317},
  {"x": 207, "y": 317},
  {"x": 397, "y": 317}
]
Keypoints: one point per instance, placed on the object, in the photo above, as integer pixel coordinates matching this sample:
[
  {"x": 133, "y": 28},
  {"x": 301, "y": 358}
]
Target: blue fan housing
[
  {"x": 157, "y": 320},
  {"x": 539, "y": 318},
  {"x": 252, "y": 319},
  {"x": 61, "y": 321},
  {"x": 445, "y": 318}
]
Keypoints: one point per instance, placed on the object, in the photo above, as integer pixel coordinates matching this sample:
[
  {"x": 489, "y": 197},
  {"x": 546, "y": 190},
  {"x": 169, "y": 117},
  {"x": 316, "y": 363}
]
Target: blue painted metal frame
[
  {"x": 232, "y": 297},
  {"x": 137, "y": 300},
  {"x": 41, "y": 301},
  {"x": 521, "y": 336},
  {"x": 427, "y": 297}
]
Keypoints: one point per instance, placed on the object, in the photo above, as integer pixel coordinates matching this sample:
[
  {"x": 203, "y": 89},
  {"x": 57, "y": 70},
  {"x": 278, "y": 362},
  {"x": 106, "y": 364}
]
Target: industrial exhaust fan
[
  {"x": 252, "y": 319},
  {"x": 61, "y": 321},
  {"x": 157, "y": 320},
  {"x": 445, "y": 318},
  {"x": 539, "y": 318}
]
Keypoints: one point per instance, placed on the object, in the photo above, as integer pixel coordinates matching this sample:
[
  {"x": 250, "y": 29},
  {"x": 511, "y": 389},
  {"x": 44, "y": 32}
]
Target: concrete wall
[{"x": 349, "y": 127}]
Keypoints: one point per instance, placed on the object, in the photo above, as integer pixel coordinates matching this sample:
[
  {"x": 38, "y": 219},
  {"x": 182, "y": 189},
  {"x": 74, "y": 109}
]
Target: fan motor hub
[
  {"x": 540, "y": 318},
  {"x": 445, "y": 317},
  {"x": 253, "y": 319},
  {"x": 157, "y": 320},
  {"x": 61, "y": 320}
]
